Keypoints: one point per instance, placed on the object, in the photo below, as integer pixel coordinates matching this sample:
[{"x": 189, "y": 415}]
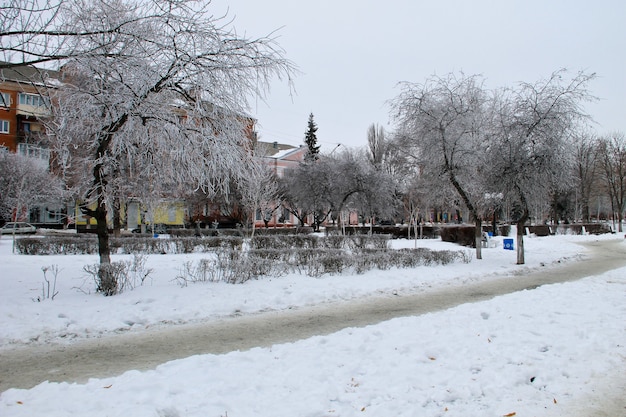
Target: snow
[{"x": 532, "y": 353}]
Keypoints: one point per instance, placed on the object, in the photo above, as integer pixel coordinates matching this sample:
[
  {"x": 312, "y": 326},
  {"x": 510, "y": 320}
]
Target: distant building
[
  {"x": 279, "y": 156},
  {"x": 23, "y": 103}
]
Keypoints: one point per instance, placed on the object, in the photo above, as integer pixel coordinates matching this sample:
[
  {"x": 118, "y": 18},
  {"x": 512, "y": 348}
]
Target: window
[
  {"x": 4, "y": 126},
  {"x": 32, "y": 100},
  {"x": 5, "y": 99}
]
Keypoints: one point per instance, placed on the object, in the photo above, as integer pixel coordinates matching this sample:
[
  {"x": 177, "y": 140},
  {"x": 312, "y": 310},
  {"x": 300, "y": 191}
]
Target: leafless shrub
[
  {"x": 117, "y": 277},
  {"x": 46, "y": 292},
  {"x": 359, "y": 242},
  {"x": 204, "y": 270},
  {"x": 334, "y": 241}
]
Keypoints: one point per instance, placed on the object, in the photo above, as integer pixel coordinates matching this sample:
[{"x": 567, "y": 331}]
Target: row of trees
[
  {"x": 460, "y": 145},
  {"x": 527, "y": 145}
]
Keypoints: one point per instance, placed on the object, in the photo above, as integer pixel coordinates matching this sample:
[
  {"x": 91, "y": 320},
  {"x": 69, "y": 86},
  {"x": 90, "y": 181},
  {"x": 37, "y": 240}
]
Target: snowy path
[{"x": 112, "y": 355}]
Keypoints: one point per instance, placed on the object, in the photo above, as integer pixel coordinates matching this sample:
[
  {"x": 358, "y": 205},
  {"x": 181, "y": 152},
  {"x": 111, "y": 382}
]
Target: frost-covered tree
[
  {"x": 444, "y": 119},
  {"x": 161, "y": 104},
  {"x": 259, "y": 190},
  {"x": 309, "y": 190},
  {"x": 586, "y": 171},
  {"x": 310, "y": 139},
  {"x": 25, "y": 181},
  {"x": 36, "y": 32},
  {"x": 612, "y": 154},
  {"x": 530, "y": 145},
  {"x": 376, "y": 145},
  {"x": 336, "y": 183},
  {"x": 361, "y": 186}
]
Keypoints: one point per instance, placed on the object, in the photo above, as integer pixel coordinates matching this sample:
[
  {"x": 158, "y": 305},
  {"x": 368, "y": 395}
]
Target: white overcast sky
[{"x": 352, "y": 54}]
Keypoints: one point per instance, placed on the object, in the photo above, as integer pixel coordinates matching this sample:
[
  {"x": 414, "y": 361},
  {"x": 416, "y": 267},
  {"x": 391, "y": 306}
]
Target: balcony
[
  {"x": 37, "y": 153},
  {"x": 32, "y": 105}
]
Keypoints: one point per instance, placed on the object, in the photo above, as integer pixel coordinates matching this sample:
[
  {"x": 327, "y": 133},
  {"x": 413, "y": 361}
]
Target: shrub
[
  {"x": 539, "y": 230},
  {"x": 333, "y": 241},
  {"x": 116, "y": 277},
  {"x": 461, "y": 234},
  {"x": 85, "y": 245},
  {"x": 359, "y": 243},
  {"x": 54, "y": 245},
  {"x": 284, "y": 242}
]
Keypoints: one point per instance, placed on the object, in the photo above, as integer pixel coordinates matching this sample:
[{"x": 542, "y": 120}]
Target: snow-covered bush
[
  {"x": 74, "y": 245},
  {"x": 88, "y": 244},
  {"x": 284, "y": 241},
  {"x": 117, "y": 277}
]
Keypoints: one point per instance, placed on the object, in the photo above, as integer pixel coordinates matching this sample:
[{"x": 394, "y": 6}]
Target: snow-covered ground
[{"x": 532, "y": 353}]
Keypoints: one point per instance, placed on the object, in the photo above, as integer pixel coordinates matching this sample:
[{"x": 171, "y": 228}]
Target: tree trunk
[
  {"x": 253, "y": 217},
  {"x": 117, "y": 219},
  {"x": 520, "y": 238},
  {"x": 521, "y": 222},
  {"x": 102, "y": 232},
  {"x": 107, "y": 278},
  {"x": 585, "y": 211},
  {"x": 520, "y": 243},
  {"x": 478, "y": 235}
]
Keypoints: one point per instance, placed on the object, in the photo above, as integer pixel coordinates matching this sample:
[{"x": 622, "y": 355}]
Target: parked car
[{"x": 17, "y": 228}]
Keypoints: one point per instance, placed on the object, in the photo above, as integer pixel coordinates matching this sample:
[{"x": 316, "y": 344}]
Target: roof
[
  {"x": 275, "y": 149},
  {"x": 29, "y": 74}
]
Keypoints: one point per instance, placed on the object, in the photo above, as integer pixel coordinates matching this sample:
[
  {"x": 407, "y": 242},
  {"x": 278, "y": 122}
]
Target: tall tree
[
  {"x": 443, "y": 118},
  {"x": 612, "y": 150},
  {"x": 585, "y": 170},
  {"x": 529, "y": 148},
  {"x": 165, "y": 97},
  {"x": 310, "y": 139},
  {"x": 376, "y": 145}
]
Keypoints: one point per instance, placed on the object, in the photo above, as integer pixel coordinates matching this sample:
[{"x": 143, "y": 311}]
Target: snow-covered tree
[
  {"x": 25, "y": 181},
  {"x": 376, "y": 145},
  {"x": 309, "y": 190},
  {"x": 612, "y": 154},
  {"x": 586, "y": 170},
  {"x": 36, "y": 32},
  {"x": 259, "y": 190},
  {"x": 161, "y": 102},
  {"x": 336, "y": 183},
  {"x": 529, "y": 150},
  {"x": 444, "y": 119}
]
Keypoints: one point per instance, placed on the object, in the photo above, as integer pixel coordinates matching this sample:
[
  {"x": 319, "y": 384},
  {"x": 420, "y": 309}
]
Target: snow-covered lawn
[{"x": 531, "y": 353}]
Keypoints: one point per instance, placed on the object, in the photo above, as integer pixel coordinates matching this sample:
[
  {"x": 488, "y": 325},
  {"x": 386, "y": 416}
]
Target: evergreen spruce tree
[{"x": 311, "y": 140}]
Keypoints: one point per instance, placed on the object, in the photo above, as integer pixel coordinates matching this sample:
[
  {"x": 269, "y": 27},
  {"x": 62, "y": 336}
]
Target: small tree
[
  {"x": 310, "y": 138},
  {"x": 309, "y": 191},
  {"x": 25, "y": 181},
  {"x": 259, "y": 190}
]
